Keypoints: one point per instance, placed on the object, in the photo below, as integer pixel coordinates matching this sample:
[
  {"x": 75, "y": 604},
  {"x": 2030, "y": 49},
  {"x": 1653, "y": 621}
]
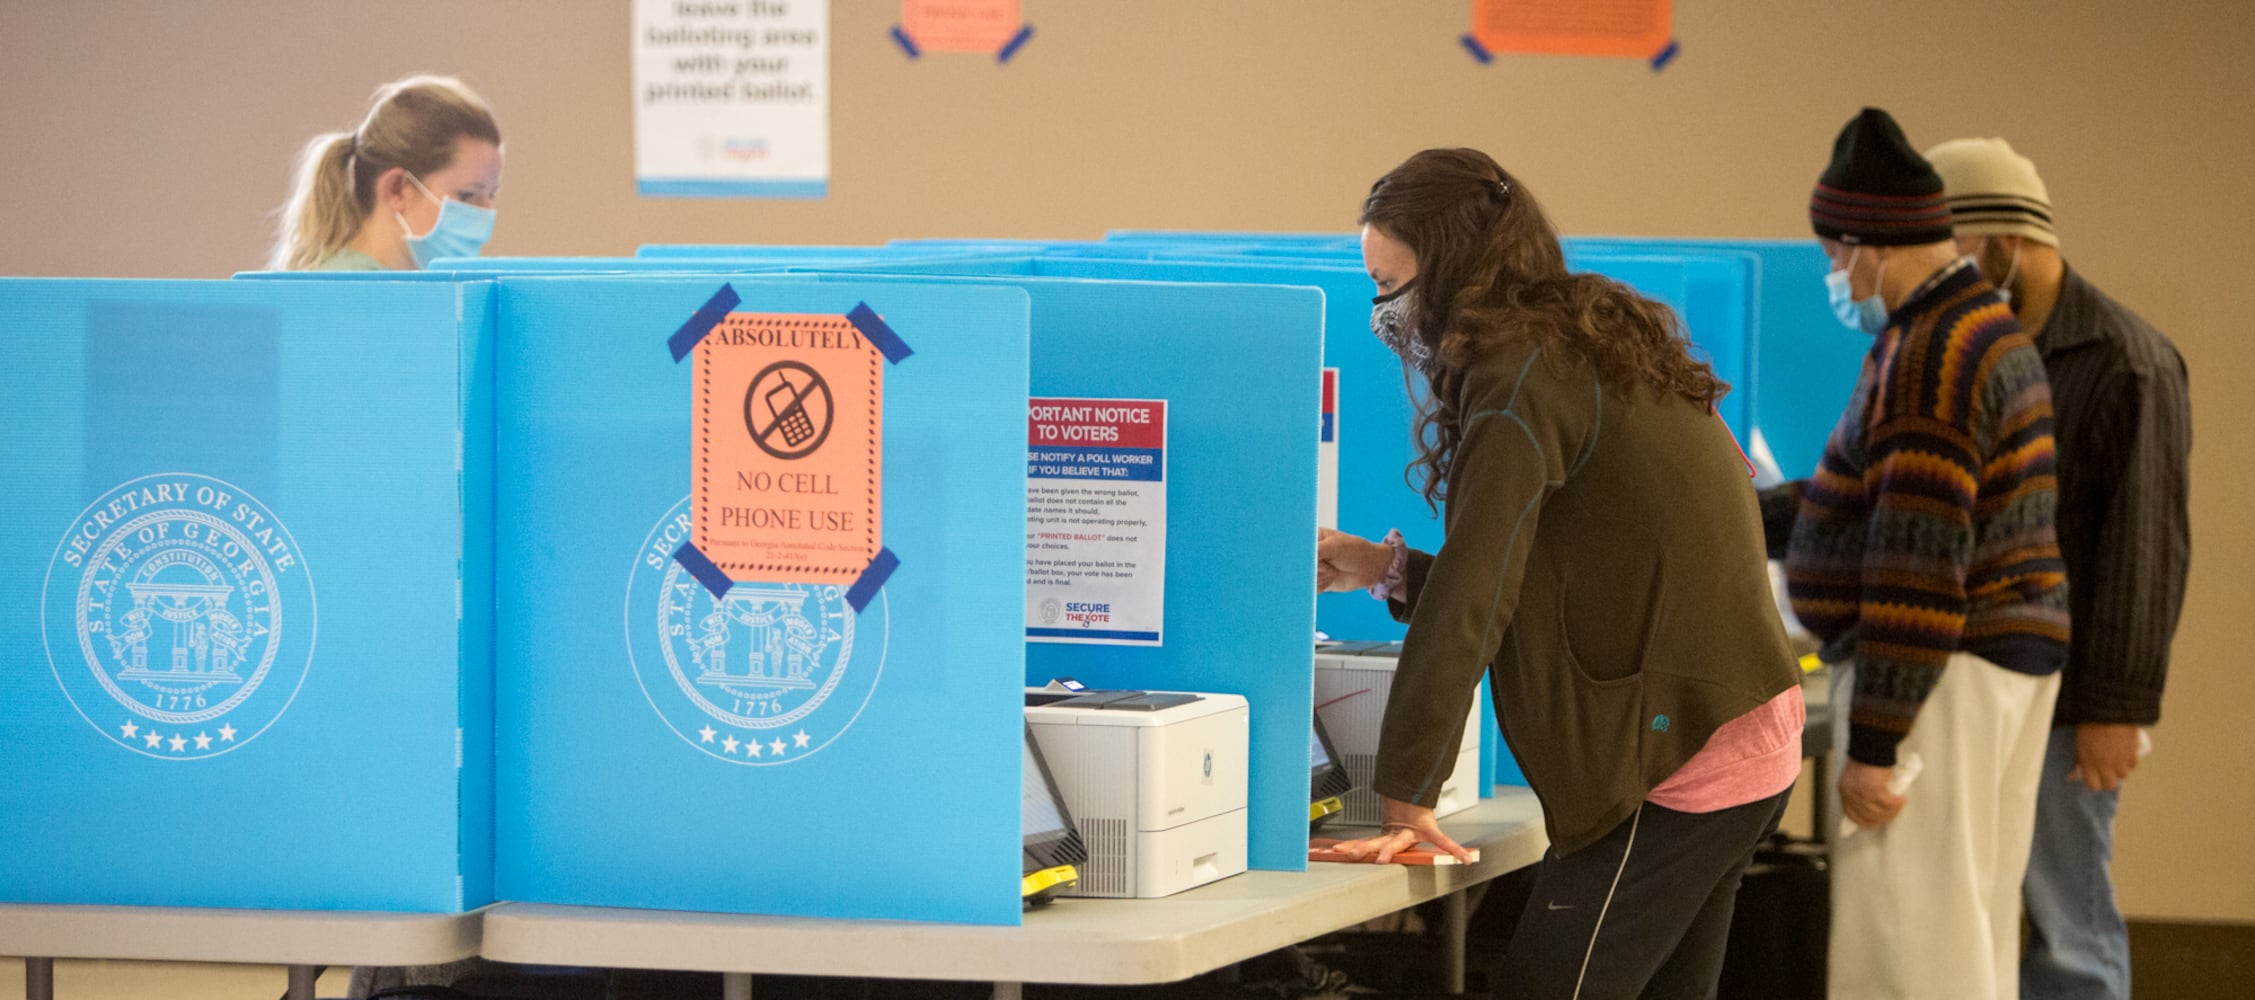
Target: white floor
[{"x": 88, "y": 980}]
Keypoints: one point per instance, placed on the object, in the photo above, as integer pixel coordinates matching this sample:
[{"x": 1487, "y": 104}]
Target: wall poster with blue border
[{"x": 731, "y": 100}]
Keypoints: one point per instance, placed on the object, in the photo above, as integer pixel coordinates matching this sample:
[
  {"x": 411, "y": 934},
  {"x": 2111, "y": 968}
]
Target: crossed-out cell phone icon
[
  {"x": 790, "y": 415},
  {"x": 794, "y": 410}
]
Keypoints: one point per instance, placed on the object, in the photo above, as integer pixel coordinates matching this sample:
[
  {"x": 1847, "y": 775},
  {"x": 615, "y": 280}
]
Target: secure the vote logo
[
  {"x": 179, "y": 616},
  {"x": 767, "y": 673}
]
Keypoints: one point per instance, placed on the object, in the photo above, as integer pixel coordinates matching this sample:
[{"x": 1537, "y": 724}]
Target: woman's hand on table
[{"x": 1402, "y": 825}]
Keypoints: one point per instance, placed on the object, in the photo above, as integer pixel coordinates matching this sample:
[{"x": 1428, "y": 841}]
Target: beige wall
[{"x": 151, "y": 138}]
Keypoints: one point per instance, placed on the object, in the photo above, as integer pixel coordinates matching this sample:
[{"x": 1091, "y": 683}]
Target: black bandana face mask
[{"x": 1390, "y": 322}]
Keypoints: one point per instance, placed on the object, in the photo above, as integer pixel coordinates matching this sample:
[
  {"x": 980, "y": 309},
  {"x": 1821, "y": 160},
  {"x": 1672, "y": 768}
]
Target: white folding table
[
  {"x": 1085, "y": 941},
  {"x": 300, "y": 939}
]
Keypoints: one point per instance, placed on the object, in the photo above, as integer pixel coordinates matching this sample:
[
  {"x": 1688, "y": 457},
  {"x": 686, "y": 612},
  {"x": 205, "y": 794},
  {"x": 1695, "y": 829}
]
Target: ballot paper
[
  {"x": 1327, "y": 849},
  {"x": 1898, "y": 783}
]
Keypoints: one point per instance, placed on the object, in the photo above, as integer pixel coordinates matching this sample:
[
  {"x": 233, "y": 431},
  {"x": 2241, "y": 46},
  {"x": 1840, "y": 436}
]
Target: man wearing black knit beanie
[{"x": 1923, "y": 553}]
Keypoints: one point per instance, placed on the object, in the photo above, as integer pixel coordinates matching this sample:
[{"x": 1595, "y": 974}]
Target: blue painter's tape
[
  {"x": 872, "y": 579},
  {"x": 1016, "y": 42},
  {"x": 708, "y": 316},
  {"x": 1478, "y": 50},
  {"x": 693, "y": 559},
  {"x": 1666, "y": 55},
  {"x": 873, "y": 327},
  {"x": 906, "y": 43}
]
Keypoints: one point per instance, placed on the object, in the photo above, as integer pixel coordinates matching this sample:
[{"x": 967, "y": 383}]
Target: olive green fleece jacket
[{"x": 1603, "y": 564}]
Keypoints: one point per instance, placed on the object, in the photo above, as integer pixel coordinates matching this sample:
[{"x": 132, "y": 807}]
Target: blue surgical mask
[
  {"x": 1868, "y": 314},
  {"x": 461, "y": 230},
  {"x": 1391, "y": 323}
]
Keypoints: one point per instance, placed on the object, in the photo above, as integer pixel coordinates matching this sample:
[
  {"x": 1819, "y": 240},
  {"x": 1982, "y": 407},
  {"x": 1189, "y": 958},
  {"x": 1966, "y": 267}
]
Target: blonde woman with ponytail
[{"x": 414, "y": 182}]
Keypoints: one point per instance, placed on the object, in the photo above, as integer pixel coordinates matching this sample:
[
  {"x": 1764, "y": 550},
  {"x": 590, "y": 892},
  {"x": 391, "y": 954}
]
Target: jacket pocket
[
  {"x": 1579, "y": 737},
  {"x": 1610, "y": 605}
]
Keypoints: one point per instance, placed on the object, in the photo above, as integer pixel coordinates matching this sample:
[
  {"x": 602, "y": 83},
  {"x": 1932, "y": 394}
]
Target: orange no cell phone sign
[
  {"x": 1633, "y": 28},
  {"x": 961, "y": 25},
  {"x": 788, "y": 448}
]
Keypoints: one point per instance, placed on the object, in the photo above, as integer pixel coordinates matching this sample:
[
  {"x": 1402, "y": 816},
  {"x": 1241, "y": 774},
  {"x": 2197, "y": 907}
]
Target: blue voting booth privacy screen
[
  {"x": 1372, "y": 409},
  {"x": 256, "y": 509},
  {"x": 249, "y": 535},
  {"x": 779, "y": 749},
  {"x": 1239, "y": 367}
]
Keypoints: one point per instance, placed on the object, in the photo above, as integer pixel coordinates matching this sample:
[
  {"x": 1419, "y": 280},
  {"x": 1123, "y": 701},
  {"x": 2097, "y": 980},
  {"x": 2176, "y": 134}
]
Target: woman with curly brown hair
[{"x": 1602, "y": 565}]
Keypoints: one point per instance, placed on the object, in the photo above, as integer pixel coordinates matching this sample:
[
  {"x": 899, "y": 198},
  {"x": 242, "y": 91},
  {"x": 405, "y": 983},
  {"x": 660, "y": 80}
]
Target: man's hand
[
  {"x": 1349, "y": 562},
  {"x": 1864, "y": 797},
  {"x": 2105, "y": 754},
  {"x": 1404, "y": 826}
]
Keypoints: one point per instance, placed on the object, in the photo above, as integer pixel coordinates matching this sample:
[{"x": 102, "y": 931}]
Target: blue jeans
[{"x": 2079, "y": 948}]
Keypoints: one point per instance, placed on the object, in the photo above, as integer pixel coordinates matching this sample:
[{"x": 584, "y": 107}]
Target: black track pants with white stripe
[{"x": 1642, "y": 914}]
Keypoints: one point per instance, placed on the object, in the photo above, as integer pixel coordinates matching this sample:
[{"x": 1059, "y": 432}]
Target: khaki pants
[{"x": 1928, "y": 906}]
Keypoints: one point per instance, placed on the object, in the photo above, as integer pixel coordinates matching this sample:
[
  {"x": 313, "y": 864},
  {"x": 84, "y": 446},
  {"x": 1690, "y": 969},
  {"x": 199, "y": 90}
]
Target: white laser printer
[
  {"x": 1352, "y": 680},
  {"x": 1155, "y": 782}
]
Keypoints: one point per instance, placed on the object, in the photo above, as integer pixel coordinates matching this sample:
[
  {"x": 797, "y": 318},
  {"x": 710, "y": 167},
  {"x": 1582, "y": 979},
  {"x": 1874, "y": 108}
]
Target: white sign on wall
[{"x": 732, "y": 98}]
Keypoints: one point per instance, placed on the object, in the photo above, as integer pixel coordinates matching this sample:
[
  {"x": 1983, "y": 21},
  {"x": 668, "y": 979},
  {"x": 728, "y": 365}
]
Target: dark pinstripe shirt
[{"x": 2123, "y": 424}]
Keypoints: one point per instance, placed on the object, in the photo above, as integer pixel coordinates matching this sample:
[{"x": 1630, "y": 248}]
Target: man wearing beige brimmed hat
[{"x": 2122, "y": 425}]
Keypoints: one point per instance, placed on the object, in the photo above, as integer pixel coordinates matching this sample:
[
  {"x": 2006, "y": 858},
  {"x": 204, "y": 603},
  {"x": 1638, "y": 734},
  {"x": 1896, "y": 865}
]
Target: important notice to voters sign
[{"x": 1096, "y": 520}]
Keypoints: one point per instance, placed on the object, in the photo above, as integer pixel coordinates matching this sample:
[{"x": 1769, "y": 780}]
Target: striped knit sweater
[{"x": 1928, "y": 528}]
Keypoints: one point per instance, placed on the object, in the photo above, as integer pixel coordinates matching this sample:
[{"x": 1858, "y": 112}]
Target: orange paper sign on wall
[
  {"x": 961, "y": 25},
  {"x": 1633, "y": 28},
  {"x": 788, "y": 448}
]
